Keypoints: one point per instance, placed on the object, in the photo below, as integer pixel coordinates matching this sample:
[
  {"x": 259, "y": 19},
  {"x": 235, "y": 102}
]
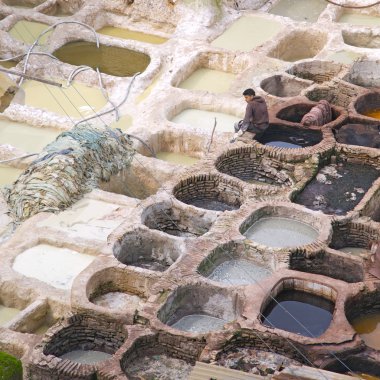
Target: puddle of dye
[
  {"x": 117, "y": 301},
  {"x": 282, "y": 144},
  {"x": 123, "y": 123},
  {"x": 355, "y": 251},
  {"x": 55, "y": 266},
  {"x": 112, "y": 60},
  {"x": 8, "y": 175},
  {"x": 368, "y": 327},
  {"x": 344, "y": 56},
  {"x": 247, "y": 33},
  {"x": 27, "y": 31},
  {"x": 299, "y": 10},
  {"x": 86, "y": 356},
  {"x": 8, "y": 64},
  {"x": 280, "y": 232},
  {"x": 33, "y": 139},
  {"x": 208, "y": 80},
  {"x": 375, "y": 114},
  {"x": 239, "y": 272},
  {"x": 206, "y": 119},
  {"x": 177, "y": 158},
  {"x": 148, "y": 90},
  {"x": 212, "y": 205},
  {"x": 337, "y": 189},
  {"x": 158, "y": 367},
  {"x": 131, "y": 35},
  {"x": 199, "y": 323},
  {"x": 358, "y": 19},
  {"x": 7, "y": 314},
  {"x": 313, "y": 312},
  {"x": 78, "y": 100}
]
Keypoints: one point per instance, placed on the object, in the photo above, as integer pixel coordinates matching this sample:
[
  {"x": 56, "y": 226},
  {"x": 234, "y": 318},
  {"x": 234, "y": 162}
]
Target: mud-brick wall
[
  {"x": 247, "y": 164},
  {"x": 208, "y": 187},
  {"x": 327, "y": 264}
]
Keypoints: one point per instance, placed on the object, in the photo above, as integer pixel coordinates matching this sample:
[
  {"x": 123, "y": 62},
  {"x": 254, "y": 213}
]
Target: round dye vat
[
  {"x": 239, "y": 272},
  {"x": 299, "y": 312},
  {"x": 368, "y": 327},
  {"x": 86, "y": 356},
  {"x": 280, "y": 232},
  {"x": 110, "y": 60},
  {"x": 199, "y": 323}
]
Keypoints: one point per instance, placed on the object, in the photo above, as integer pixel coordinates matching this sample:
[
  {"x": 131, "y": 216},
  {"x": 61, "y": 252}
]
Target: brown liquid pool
[
  {"x": 299, "y": 312},
  {"x": 110, "y": 60},
  {"x": 132, "y": 35},
  {"x": 8, "y": 64},
  {"x": 368, "y": 327},
  {"x": 374, "y": 113}
]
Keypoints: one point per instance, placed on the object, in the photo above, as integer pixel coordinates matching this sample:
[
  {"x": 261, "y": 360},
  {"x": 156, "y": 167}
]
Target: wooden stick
[
  {"x": 30, "y": 77},
  {"x": 212, "y": 135}
]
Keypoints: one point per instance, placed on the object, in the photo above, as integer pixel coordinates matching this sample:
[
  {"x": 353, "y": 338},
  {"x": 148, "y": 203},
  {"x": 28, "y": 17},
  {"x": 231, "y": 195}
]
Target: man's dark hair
[{"x": 249, "y": 91}]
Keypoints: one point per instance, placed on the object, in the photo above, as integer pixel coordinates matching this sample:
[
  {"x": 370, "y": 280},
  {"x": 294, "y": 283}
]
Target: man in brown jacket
[{"x": 256, "y": 117}]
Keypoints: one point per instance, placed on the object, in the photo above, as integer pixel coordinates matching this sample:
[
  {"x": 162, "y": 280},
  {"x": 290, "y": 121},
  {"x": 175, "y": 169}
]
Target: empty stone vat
[
  {"x": 364, "y": 73},
  {"x": 362, "y": 39},
  {"x": 300, "y": 307},
  {"x": 284, "y": 85},
  {"x": 368, "y": 105},
  {"x": 305, "y": 44},
  {"x": 338, "y": 188},
  {"x": 210, "y": 192},
  {"x": 175, "y": 221},
  {"x": 299, "y": 10},
  {"x": 112, "y": 60},
  {"x": 235, "y": 264},
  {"x": 148, "y": 250},
  {"x": 290, "y": 137},
  {"x": 244, "y": 163},
  {"x": 199, "y": 308}
]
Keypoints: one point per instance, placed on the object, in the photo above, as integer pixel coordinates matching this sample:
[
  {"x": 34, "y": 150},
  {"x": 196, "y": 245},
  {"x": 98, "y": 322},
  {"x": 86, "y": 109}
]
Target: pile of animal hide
[
  {"x": 68, "y": 168},
  {"x": 319, "y": 115}
]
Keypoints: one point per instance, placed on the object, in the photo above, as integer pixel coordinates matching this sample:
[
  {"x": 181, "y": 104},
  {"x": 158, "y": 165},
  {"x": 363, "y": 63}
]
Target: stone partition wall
[{"x": 246, "y": 163}]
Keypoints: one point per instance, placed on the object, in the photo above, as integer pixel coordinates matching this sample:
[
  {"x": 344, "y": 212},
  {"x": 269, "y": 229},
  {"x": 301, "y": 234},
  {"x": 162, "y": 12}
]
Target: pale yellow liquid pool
[
  {"x": 177, "y": 158},
  {"x": 375, "y": 114},
  {"x": 28, "y": 31},
  {"x": 8, "y": 64},
  {"x": 131, "y": 35},
  {"x": 25, "y": 137},
  {"x": 358, "y": 19},
  {"x": 7, "y": 314},
  {"x": 368, "y": 327},
  {"x": 208, "y": 80},
  {"x": 123, "y": 123},
  {"x": 299, "y": 10},
  {"x": 8, "y": 175},
  {"x": 148, "y": 90},
  {"x": 344, "y": 56},
  {"x": 205, "y": 120},
  {"x": 355, "y": 251},
  {"x": 77, "y": 101},
  {"x": 247, "y": 33}
]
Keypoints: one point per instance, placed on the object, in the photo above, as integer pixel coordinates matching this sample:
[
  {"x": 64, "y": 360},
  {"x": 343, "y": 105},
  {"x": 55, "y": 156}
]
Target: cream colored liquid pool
[
  {"x": 77, "y": 101},
  {"x": 208, "y": 80},
  {"x": 131, "y": 35},
  {"x": 7, "y": 314},
  {"x": 247, "y": 33},
  {"x": 177, "y": 158},
  {"x": 8, "y": 175},
  {"x": 344, "y": 56},
  {"x": 123, "y": 123},
  {"x": 55, "y": 266},
  {"x": 299, "y": 10},
  {"x": 205, "y": 120},
  {"x": 358, "y": 19},
  {"x": 26, "y": 137},
  {"x": 149, "y": 89},
  {"x": 28, "y": 31}
]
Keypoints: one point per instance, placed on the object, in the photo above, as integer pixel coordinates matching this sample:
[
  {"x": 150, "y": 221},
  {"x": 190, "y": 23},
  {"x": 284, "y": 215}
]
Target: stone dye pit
[{"x": 158, "y": 248}]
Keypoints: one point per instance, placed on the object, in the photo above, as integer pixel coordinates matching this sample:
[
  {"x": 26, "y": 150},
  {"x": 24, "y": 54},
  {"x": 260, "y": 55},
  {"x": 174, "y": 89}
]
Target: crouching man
[{"x": 256, "y": 119}]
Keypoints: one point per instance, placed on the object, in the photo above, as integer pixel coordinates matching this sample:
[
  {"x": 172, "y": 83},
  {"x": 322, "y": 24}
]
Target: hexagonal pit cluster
[{"x": 257, "y": 255}]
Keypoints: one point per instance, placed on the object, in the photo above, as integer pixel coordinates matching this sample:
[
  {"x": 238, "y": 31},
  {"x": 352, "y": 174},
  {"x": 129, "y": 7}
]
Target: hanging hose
[
  {"x": 46, "y": 31},
  {"x": 151, "y": 150},
  {"x": 353, "y": 6},
  {"x": 76, "y": 71},
  {"x": 19, "y": 158},
  {"x": 113, "y": 108}
]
